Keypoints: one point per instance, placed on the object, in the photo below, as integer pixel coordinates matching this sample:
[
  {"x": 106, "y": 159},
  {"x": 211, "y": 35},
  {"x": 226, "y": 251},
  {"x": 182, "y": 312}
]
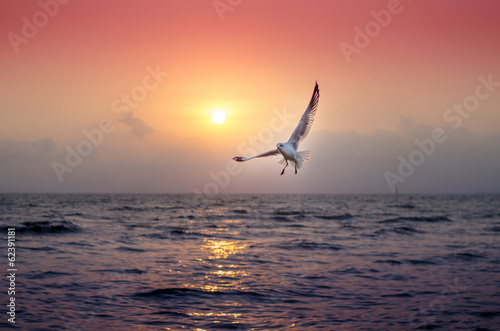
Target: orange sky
[{"x": 252, "y": 59}]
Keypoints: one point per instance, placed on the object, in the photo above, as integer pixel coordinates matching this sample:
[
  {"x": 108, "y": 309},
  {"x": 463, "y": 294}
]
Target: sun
[{"x": 218, "y": 117}]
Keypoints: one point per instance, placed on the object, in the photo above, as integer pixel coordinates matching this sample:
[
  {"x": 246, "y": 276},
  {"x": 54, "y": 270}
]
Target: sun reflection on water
[
  {"x": 222, "y": 272},
  {"x": 221, "y": 249},
  {"x": 220, "y": 276}
]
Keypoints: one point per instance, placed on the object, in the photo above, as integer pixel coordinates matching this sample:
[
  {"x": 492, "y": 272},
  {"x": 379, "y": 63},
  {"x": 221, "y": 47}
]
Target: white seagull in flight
[{"x": 289, "y": 149}]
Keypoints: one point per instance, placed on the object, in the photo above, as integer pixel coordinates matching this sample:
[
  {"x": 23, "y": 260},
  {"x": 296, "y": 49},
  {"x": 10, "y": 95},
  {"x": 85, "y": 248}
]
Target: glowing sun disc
[{"x": 218, "y": 117}]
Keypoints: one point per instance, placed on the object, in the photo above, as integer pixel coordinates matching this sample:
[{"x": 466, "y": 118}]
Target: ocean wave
[
  {"x": 339, "y": 217},
  {"x": 48, "y": 227},
  {"x": 172, "y": 313},
  {"x": 122, "y": 271},
  {"x": 491, "y": 215},
  {"x": 393, "y": 262},
  {"x": 309, "y": 245},
  {"x": 349, "y": 271},
  {"x": 421, "y": 262},
  {"x": 42, "y": 248},
  {"x": 494, "y": 228},
  {"x": 397, "y": 295},
  {"x": 176, "y": 233},
  {"x": 139, "y": 225},
  {"x": 403, "y": 206},
  {"x": 486, "y": 314},
  {"x": 53, "y": 215},
  {"x": 187, "y": 292},
  {"x": 47, "y": 274},
  {"x": 73, "y": 214},
  {"x": 240, "y": 211},
  {"x": 465, "y": 256},
  {"x": 157, "y": 235},
  {"x": 281, "y": 219},
  {"x": 285, "y": 212},
  {"x": 428, "y": 219},
  {"x": 130, "y": 249},
  {"x": 129, "y": 208},
  {"x": 406, "y": 230},
  {"x": 83, "y": 243}
]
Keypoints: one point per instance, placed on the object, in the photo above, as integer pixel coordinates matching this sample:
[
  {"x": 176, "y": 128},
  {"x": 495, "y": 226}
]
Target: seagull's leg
[
  {"x": 283, "y": 171},
  {"x": 295, "y": 168}
]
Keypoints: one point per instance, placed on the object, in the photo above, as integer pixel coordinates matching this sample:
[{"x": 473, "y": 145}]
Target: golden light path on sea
[{"x": 223, "y": 274}]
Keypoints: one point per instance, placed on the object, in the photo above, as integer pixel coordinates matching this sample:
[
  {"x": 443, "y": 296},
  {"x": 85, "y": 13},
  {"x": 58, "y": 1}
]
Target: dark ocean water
[{"x": 254, "y": 262}]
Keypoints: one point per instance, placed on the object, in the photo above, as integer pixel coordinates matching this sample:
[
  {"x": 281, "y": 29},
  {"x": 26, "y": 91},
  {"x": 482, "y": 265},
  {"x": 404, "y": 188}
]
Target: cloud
[
  {"x": 352, "y": 162},
  {"x": 21, "y": 149},
  {"x": 138, "y": 127},
  {"x": 411, "y": 129},
  {"x": 44, "y": 145},
  {"x": 341, "y": 162},
  {"x": 25, "y": 166}
]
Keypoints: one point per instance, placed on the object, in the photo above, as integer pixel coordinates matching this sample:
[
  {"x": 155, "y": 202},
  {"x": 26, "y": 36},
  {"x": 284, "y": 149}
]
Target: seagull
[{"x": 289, "y": 149}]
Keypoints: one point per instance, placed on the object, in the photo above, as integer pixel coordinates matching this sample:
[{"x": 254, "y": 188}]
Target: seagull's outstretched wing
[
  {"x": 270, "y": 153},
  {"x": 306, "y": 120}
]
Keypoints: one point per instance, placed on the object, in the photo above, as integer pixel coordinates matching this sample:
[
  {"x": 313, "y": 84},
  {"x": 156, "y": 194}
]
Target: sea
[{"x": 251, "y": 262}]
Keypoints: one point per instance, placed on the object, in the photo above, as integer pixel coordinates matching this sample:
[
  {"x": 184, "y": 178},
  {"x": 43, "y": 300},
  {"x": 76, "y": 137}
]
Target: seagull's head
[{"x": 280, "y": 146}]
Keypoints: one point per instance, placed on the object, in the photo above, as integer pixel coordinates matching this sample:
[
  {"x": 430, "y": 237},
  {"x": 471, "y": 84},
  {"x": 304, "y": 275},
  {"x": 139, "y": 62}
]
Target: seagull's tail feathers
[{"x": 303, "y": 157}]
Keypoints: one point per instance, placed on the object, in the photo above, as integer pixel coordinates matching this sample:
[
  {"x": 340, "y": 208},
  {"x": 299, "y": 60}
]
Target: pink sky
[{"x": 261, "y": 57}]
